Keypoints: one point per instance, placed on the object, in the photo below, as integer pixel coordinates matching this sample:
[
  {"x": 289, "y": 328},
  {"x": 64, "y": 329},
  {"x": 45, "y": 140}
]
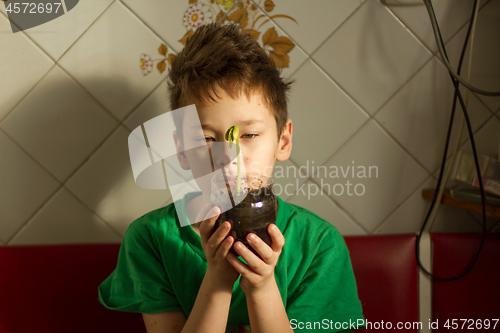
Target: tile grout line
[
  {"x": 89, "y": 157},
  {"x": 60, "y": 184},
  {"x": 63, "y": 3},
  {"x": 370, "y": 116},
  {"x": 279, "y": 27},
  {"x": 438, "y": 55},
  {"x": 390, "y": 98},
  {"x": 481, "y": 6},
  {"x": 346, "y": 141},
  {"x": 340, "y": 207},
  {"x": 410, "y": 31},
  {"x": 403, "y": 85},
  {"x": 335, "y": 30},
  {"x": 474, "y": 132},
  {"x": 30, "y": 156},
  {"x": 298, "y": 68},
  {"x": 106, "y": 223},
  {"x": 85, "y": 31},
  {"x": 339, "y": 86},
  {"x": 142, "y": 102},
  {"x": 380, "y": 225},
  {"x": 147, "y": 26},
  {"x": 228, "y": 11},
  {"x": 119, "y": 123},
  {"x": 384, "y": 130},
  {"x": 401, "y": 146},
  {"x": 342, "y": 90},
  {"x": 29, "y": 91},
  {"x": 55, "y": 62},
  {"x": 33, "y": 41},
  {"x": 480, "y": 101},
  {"x": 283, "y": 31},
  {"x": 467, "y": 142},
  {"x": 434, "y": 54},
  {"x": 78, "y": 83},
  {"x": 99, "y": 146},
  {"x": 63, "y": 184},
  {"x": 45, "y": 203},
  {"x": 43, "y": 51},
  {"x": 25, "y": 223}
]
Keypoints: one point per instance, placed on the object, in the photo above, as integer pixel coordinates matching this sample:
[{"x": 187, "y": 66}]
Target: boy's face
[{"x": 260, "y": 147}]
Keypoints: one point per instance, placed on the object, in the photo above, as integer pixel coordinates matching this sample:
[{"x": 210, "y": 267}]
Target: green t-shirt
[{"x": 161, "y": 266}]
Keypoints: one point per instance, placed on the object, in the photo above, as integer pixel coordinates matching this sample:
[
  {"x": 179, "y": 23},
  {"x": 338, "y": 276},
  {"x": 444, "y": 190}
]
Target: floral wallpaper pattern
[{"x": 246, "y": 14}]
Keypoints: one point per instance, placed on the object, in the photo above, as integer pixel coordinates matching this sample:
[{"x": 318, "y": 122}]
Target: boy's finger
[
  {"x": 207, "y": 224},
  {"x": 277, "y": 238},
  {"x": 225, "y": 246},
  {"x": 212, "y": 213},
  {"x": 218, "y": 236}
]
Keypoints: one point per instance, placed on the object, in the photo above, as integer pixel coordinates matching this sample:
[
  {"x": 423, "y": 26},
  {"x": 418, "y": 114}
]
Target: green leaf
[{"x": 232, "y": 134}]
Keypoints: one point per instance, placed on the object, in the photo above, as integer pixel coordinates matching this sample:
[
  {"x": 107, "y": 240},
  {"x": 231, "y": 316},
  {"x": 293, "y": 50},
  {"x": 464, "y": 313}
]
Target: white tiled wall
[{"x": 370, "y": 91}]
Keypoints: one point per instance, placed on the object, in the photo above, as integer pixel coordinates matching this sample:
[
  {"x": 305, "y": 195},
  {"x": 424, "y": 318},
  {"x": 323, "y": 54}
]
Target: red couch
[
  {"x": 53, "y": 288},
  {"x": 476, "y": 296}
]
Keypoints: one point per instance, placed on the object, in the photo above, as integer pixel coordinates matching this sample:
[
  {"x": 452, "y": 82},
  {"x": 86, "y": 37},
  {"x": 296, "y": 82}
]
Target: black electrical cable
[
  {"x": 446, "y": 62},
  {"x": 471, "y": 136}
]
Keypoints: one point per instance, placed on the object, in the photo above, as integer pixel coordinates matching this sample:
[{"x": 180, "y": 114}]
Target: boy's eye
[
  {"x": 245, "y": 136},
  {"x": 249, "y": 136}
]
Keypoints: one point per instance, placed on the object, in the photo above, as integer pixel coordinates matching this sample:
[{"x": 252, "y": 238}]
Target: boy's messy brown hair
[{"x": 221, "y": 56}]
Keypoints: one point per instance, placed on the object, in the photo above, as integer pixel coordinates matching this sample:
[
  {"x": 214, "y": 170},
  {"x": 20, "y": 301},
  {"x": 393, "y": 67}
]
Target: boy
[{"x": 184, "y": 279}]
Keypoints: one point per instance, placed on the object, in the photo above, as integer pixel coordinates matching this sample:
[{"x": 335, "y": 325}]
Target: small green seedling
[{"x": 233, "y": 134}]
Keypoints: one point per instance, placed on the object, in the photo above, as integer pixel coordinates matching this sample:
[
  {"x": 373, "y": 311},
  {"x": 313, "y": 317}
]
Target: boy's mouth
[{"x": 230, "y": 173}]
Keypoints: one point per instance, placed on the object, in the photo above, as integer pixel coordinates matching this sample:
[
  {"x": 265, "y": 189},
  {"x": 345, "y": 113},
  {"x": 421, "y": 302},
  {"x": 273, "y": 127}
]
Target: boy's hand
[
  {"x": 216, "y": 247},
  {"x": 258, "y": 274}
]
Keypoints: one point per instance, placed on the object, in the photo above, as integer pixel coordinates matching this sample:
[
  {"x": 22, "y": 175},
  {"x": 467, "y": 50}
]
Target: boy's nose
[{"x": 222, "y": 155}]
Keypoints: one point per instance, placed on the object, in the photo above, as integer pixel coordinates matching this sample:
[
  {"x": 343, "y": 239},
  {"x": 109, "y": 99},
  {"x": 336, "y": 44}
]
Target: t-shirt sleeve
[
  {"x": 139, "y": 283},
  {"x": 327, "y": 300}
]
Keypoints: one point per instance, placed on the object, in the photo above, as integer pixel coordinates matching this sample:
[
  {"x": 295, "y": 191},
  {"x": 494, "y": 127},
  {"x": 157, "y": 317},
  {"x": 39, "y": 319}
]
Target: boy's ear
[
  {"x": 181, "y": 156},
  {"x": 285, "y": 144}
]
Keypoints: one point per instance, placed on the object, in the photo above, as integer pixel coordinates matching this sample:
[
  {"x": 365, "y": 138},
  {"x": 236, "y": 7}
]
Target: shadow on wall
[{"x": 77, "y": 184}]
